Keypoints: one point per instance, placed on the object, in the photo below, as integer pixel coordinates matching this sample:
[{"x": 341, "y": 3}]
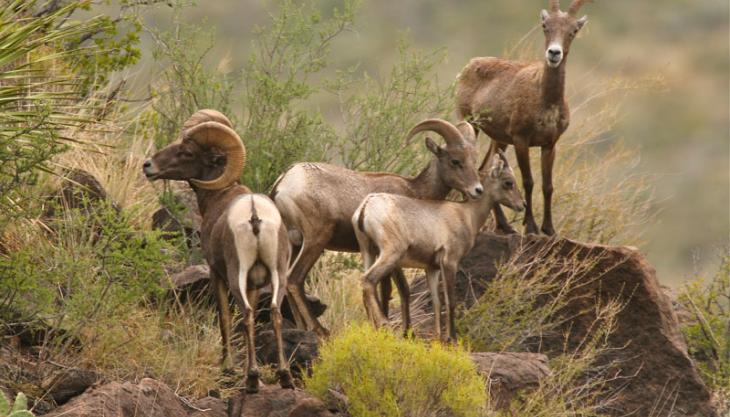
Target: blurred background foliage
[{"x": 667, "y": 64}]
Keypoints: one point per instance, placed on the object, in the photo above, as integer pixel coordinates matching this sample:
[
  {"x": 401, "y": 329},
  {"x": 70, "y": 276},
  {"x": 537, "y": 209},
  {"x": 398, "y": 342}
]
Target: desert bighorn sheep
[
  {"x": 318, "y": 200},
  {"x": 523, "y": 104},
  {"x": 242, "y": 235},
  {"x": 432, "y": 235}
]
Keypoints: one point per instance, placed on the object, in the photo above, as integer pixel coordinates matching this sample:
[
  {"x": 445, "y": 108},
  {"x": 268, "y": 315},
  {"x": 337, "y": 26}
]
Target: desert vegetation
[{"x": 85, "y": 278}]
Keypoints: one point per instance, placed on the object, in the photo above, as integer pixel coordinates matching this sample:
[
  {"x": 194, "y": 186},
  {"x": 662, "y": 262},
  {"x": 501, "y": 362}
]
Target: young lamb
[
  {"x": 242, "y": 235},
  {"x": 431, "y": 235},
  {"x": 317, "y": 201},
  {"x": 523, "y": 104}
]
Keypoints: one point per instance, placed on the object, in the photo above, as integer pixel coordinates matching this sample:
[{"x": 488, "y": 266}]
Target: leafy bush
[
  {"x": 88, "y": 267},
  {"x": 382, "y": 375},
  {"x": 288, "y": 56},
  {"x": 708, "y": 335}
]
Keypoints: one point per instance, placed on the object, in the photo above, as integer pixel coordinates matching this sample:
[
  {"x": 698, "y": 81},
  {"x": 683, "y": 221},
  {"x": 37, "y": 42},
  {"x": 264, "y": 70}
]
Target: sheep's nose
[
  {"x": 147, "y": 164},
  {"x": 479, "y": 190},
  {"x": 555, "y": 52}
]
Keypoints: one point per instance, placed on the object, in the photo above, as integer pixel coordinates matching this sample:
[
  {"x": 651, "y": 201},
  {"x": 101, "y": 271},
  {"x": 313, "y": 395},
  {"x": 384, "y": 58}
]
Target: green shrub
[
  {"x": 383, "y": 375},
  {"x": 708, "y": 335},
  {"x": 290, "y": 56},
  {"x": 86, "y": 267}
]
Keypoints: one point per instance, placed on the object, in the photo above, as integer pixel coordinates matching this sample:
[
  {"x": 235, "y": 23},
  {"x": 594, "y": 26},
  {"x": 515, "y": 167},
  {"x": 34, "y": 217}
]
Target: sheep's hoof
[
  {"x": 531, "y": 229},
  {"x": 252, "y": 382},
  {"x": 321, "y": 332},
  {"x": 548, "y": 230},
  {"x": 285, "y": 379},
  {"x": 505, "y": 230}
]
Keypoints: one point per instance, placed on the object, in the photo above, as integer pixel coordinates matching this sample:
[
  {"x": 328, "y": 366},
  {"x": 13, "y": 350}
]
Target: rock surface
[
  {"x": 300, "y": 347},
  {"x": 273, "y": 401},
  {"x": 509, "y": 373},
  {"x": 149, "y": 398},
  {"x": 647, "y": 340},
  {"x": 65, "y": 384}
]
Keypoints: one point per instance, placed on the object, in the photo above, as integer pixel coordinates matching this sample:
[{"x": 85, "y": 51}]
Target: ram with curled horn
[
  {"x": 523, "y": 104},
  {"x": 243, "y": 237},
  {"x": 318, "y": 200}
]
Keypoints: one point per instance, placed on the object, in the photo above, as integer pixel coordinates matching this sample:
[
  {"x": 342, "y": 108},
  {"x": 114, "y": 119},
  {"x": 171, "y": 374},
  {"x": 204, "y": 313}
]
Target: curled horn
[
  {"x": 449, "y": 132},
  {"x": 575, "y": 6},
  {"x": 467, "y": 131},
  {"x": 206, "y": 115},
  {"x": 217, "y": 134},
  {"x": 554, "y": 5}
]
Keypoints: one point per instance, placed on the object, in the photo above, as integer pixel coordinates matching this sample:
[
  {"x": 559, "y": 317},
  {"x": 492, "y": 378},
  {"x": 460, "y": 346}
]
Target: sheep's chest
[{"x": 546, "y": 126}]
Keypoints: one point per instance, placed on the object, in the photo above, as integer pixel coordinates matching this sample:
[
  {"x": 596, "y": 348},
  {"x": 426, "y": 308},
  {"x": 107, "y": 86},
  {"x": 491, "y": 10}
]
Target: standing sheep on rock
[
  {"x": 523, "y": 104},
  {"x": 242, "y": 235}
]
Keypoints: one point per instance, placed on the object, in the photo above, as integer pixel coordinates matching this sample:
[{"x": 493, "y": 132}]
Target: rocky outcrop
[
  {"x": 508, "y": 373},
  {"x": 149, "y": 398},
  {"x": 301, "y": 347},
  {"x": 273, "y": 401},
  {"x": 659, "y": 376},
  {"x": 64, "y": 384}
]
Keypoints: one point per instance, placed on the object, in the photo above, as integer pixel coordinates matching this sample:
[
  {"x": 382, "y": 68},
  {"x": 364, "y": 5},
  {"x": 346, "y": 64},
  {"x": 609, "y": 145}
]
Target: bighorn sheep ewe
[
  {"x": 318, "y": 200},
  {"x": 243, "y": 237},
  {"x": 432, "y": 235},
  {"x": 523, "y": 104}
]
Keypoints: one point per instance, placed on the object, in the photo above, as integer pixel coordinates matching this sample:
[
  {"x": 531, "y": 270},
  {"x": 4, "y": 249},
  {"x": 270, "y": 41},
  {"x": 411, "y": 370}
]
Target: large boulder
[
  {"x": 301, "y": 348},
  {"x": 657, "y": 376},
  {"x": 64, "y": 384},
  {"x": 508, "y": 373},
  {"x": 149, "y": 398},
  {"x": 272, "y": 401}
]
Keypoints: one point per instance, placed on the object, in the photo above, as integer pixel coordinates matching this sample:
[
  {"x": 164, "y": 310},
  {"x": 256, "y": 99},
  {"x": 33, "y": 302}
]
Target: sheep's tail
[{"x": 255, "y": 221}]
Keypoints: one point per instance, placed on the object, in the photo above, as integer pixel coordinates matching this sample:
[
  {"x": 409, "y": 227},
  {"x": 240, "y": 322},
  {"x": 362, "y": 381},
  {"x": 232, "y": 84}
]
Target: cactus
[{"x": 19, "y": 408}]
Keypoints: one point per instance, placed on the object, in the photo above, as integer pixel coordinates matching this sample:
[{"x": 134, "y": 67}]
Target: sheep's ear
[
  {"x": 497, "y": 166},
  {"x": 582, "y": 21},
  {"x": 433, "y": 147},
  {"x": 544, "y": 15}
]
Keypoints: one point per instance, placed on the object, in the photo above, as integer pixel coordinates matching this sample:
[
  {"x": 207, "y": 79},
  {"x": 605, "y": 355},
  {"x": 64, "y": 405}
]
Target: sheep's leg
[
  {"x": 310, "y": 252},
  {"x": 382, "y": 267},
  {"x": 448, "y": 272},
  {"x": 252, "y": 375},
  {"x": 404, "y": 291},
  {"x": 432, "y": 276},
  {"x": 386, "y": 291},
  {"x": 548, "y": 157},
  {"x": 522, "y": 149},
  {"x": 275, "y": 259},
  {"x": 298, "y": 318},
  {"x": 220, "y": 291},
  {"x": 285, "y": 379},
  {"x": 503, "y": 225}
]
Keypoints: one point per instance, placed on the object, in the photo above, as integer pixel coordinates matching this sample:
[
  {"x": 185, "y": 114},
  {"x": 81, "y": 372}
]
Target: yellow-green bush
[{"x": 384, "y": 375}]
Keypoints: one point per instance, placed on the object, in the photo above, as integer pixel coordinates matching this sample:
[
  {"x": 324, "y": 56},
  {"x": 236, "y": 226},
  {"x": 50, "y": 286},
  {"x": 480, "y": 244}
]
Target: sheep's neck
[
  {"x": 553, "y": 83},
  {"x": 428, "y": 185},
  {"x": 478, "y": 211},
  {"x": 207, "y": 198}
]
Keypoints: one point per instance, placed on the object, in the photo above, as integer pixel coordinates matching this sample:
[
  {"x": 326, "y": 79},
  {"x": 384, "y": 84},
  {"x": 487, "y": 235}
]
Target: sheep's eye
[
  {"x": 508, "y": 185},
  {"x": 185, "y": 154},
  {"x": 455, "y": 163}
]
